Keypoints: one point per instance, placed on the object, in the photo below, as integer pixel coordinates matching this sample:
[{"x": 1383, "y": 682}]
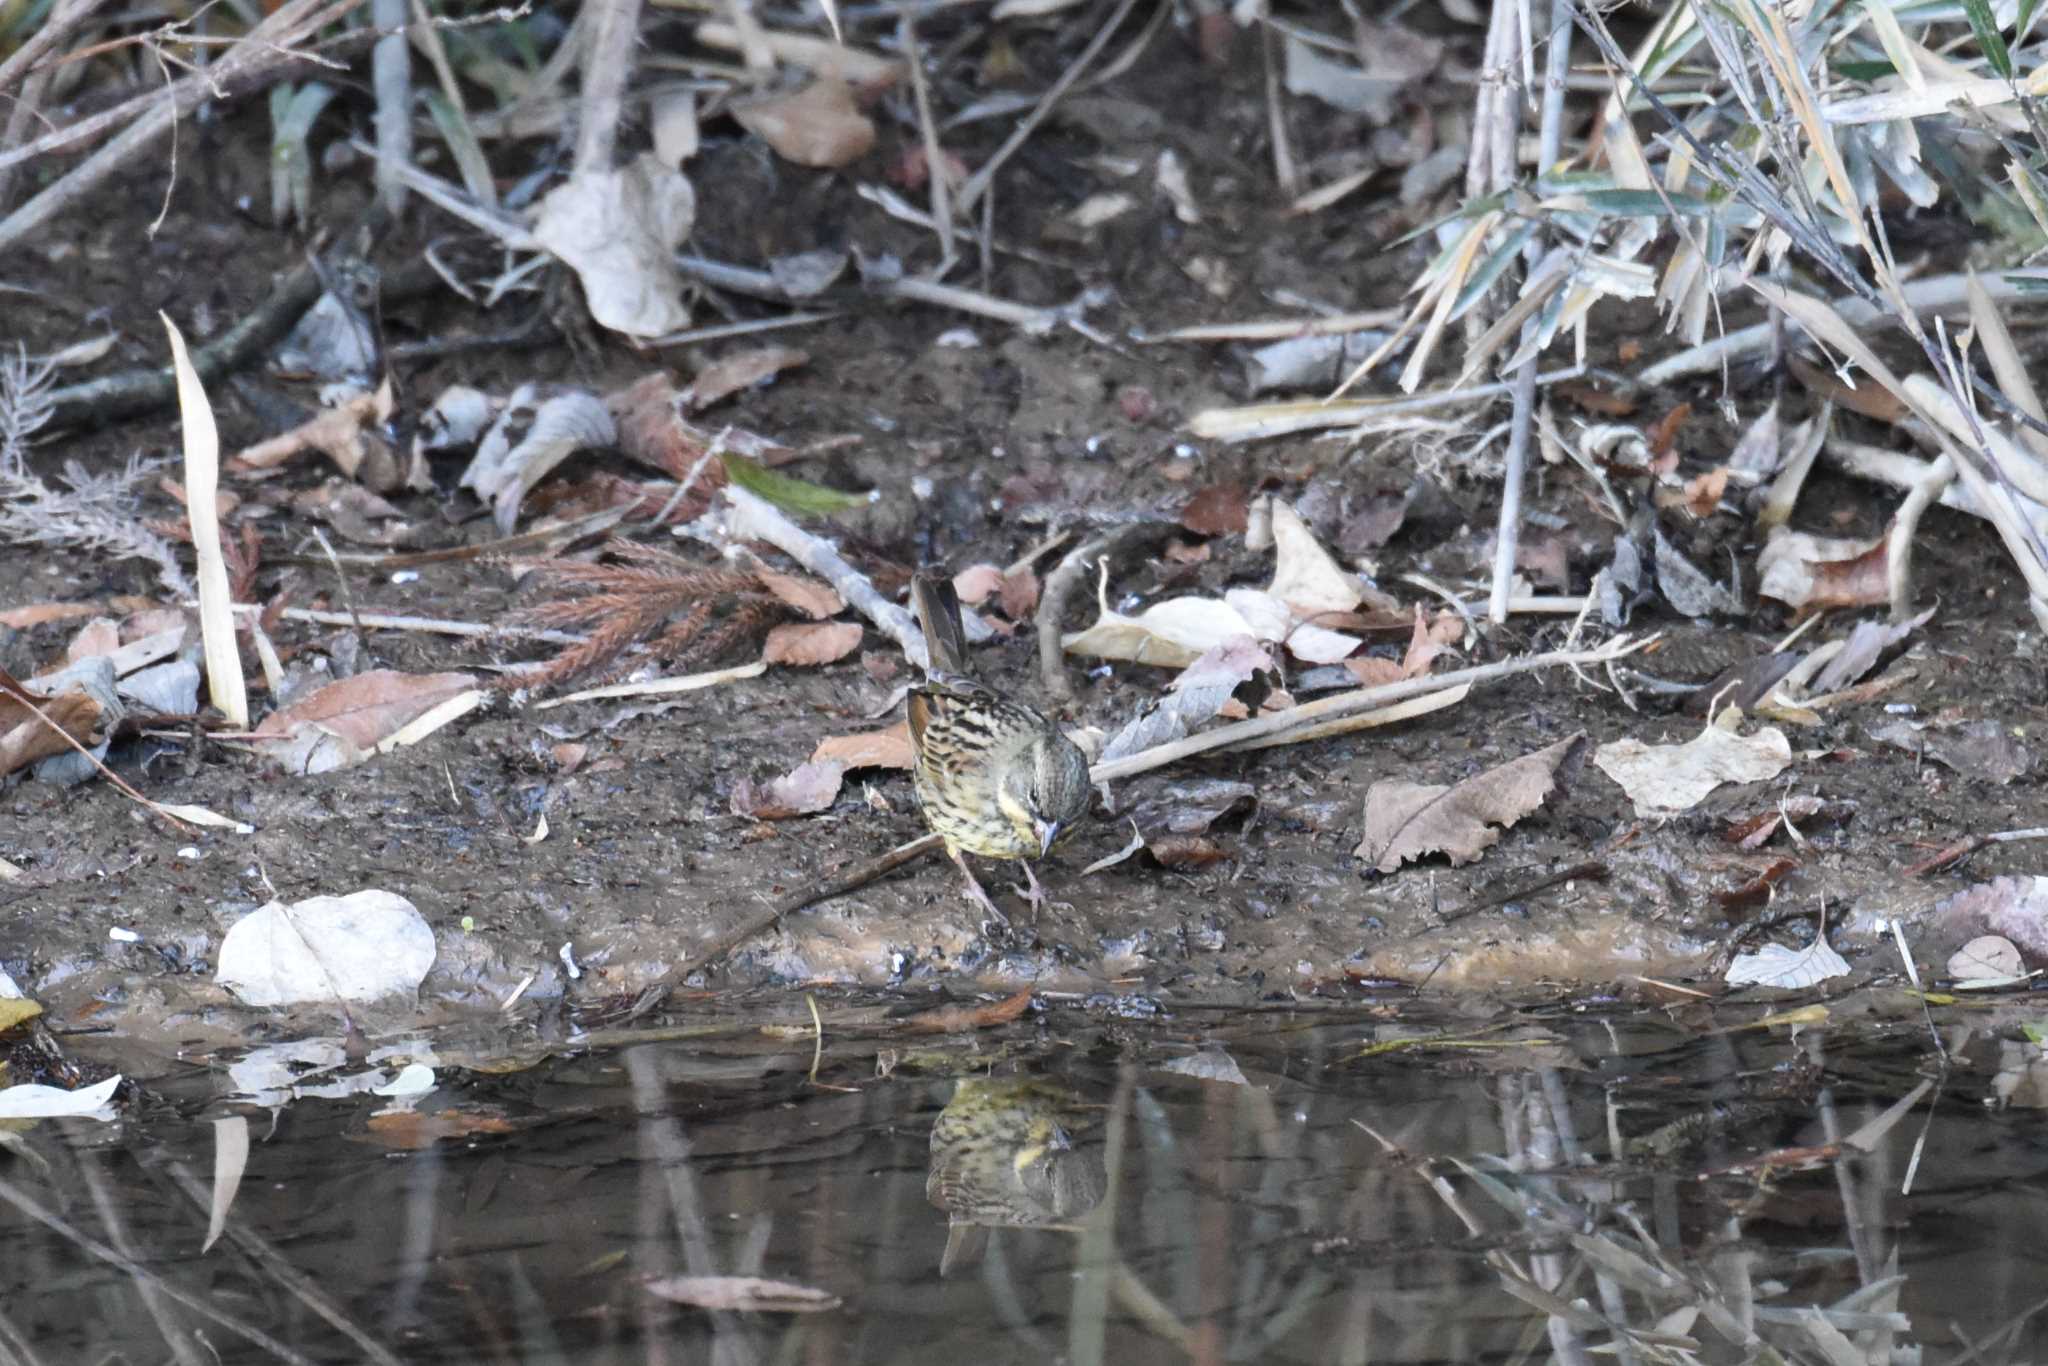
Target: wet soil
[{"x": 645, "y": 862}]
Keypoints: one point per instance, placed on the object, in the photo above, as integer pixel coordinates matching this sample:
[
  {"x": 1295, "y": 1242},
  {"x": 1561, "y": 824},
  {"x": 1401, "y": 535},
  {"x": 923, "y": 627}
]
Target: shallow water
[{"x": 1382, "y": 1186}]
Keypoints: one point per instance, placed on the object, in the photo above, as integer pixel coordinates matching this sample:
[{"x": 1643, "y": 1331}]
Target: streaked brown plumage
[
  {"x": 1007, "y": 1153},
  {"x": 993, "y": 777}
]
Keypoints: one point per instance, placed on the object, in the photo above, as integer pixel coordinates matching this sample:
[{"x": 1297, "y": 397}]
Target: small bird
[
  {"x": 1009, "y": 1153},
  {"x": 993, "y": 777}
]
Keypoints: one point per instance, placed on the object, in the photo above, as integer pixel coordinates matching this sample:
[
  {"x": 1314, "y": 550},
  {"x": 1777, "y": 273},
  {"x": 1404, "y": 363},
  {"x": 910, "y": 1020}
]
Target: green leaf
[
  {"x": 1986, "y": 28},
  {"x": 796, "y": 496}
]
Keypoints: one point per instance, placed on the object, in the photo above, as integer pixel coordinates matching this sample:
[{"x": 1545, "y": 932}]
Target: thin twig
[{"x": 752, "y": 518}]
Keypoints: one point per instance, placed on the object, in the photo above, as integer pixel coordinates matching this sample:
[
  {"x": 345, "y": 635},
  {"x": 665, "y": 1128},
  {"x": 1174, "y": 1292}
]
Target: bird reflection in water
[{"x": 1006, "y": 1153}]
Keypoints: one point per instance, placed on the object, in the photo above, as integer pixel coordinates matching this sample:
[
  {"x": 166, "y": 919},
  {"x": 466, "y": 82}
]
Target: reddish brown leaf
[
  {"x": 1757, "y": 890},
  {"x": 810, "y": 596},
  {"x": 977, "y": 583},
  {"x": 870, "y": 749},
  {"x": 1663, "y": 437},
  {"x": 1870, "y": 400},
  {"x": 1185, "y": 852},
  {"x": 957, "y": 1019},
  {"x": 35, "y": 614},
  {"x": 817, "y": 126},
  {"x": 1217, "y": 510},
  {"x": 811, "y": 643},
  {"x": 367, "y": 708},
  {"x": 26, "y": 738},
  {"x": 1594, "y": 399},
  {"x": 1703, "y": 495},
  {"x": 414, "y": 1130},
  {"x": 740, "y": 371},
  {"x": 1019, "y": 595}
]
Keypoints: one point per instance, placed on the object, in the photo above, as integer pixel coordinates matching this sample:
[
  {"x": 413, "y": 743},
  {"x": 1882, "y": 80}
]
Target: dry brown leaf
[
  {"x": 870, "y": 749},
  {"x": 819, "y": 125},
  {"x": 362, "y": 710},
  {"x": 813, "y": 597},
  {"x": 1185, "y": 853},
  {"x": 803, "y": 791},
  {"x": 740, "y": 371},
  {"x": 1019, "y": 595},
  {"x": 1870, "y": 400},
  {"x": 1405, "y": 820},
  {"x": 417, "y": 1130},
  {"x": 1217, "y": 510},
  {"x": 1813, "y": 573},
  {"x": 1374, "y": 672},
  {"x": 977, "y": 583},
  {"x": 26, "y": 739},
  {"x": 37, "y": 613},
  {"x": 1424, "y": 645},
  {"x": 957, "y": 1019},
  {"x": 811, "y": 643},
  {"x": 348, "y": 434},
  {"x": 100, "y": 636},
  {"x": 1703, "y": 495}
]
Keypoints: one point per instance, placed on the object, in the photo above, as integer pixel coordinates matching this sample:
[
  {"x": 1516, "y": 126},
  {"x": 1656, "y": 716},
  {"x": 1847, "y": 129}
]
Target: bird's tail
[{"x": 938, "y": 612}]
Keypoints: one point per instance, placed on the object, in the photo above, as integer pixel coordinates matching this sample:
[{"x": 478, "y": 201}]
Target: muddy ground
[{"x": 645, "y": 861}]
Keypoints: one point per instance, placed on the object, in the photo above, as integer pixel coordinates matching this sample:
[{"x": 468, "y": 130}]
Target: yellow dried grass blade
[
  {"x": 2014, "y": 382},
  {"x": 1772, "y": 40},
  {"x": 1456, "y": 273},
  {"x": 224, "y": 682}
]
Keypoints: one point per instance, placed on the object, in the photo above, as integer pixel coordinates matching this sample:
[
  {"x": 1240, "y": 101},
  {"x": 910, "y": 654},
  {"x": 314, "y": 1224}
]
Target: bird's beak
[{"x": 1048, "y": 831}]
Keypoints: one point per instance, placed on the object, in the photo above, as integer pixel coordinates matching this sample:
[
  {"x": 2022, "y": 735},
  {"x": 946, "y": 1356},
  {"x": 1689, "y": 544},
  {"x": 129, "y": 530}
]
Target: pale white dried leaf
[
  {"x": 619, "y": 231},
  {"x": 1305, "y": 576},
  {"x": 1663, "y": 780},
  {"x": 1778, "y": 965},
  {"x": 1988, "y": 956},
  {"x": 365, "y": 946}
]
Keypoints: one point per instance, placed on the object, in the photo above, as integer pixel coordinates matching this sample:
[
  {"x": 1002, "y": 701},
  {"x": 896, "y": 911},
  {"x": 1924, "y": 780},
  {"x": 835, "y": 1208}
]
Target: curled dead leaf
[
  {"x": 819, "y": 125},
  {"x": 355, "y": 713},
  {"x": 957, "y": 1019},
  {"x": 742, "y": 370},
  {"x": 1406, "y": 820},
  {"x": 805, "y": 790},
  {"x": 870, "y": 749},
  {"x": 1667, "y": 779},
  {"x": 813, "y": 597},
  {"x": 808, "y": 644}
]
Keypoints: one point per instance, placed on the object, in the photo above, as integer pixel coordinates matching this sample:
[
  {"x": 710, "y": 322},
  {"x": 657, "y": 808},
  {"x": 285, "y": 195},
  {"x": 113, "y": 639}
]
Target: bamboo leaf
[{"x": 798, "y": 496}]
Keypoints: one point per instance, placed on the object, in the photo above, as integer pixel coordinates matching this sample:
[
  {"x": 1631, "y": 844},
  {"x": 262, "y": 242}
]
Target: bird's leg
[
  {"x": 1033, "y": 894},
  {"x": 975, "y": 891}
]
